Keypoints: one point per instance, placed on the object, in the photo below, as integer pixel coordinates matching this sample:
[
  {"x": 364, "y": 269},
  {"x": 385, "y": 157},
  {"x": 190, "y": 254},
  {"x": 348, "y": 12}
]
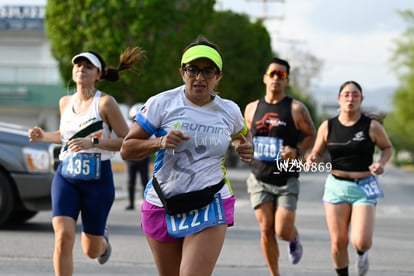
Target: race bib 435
[{"x": 82, "y": 165}]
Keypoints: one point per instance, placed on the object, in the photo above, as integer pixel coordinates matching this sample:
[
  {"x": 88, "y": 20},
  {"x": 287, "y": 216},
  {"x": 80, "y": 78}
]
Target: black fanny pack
[{"x": 183, "y": 203}]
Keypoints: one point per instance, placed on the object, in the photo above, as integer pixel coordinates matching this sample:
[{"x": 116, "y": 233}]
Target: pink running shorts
[{"x": 154, "y": 225}]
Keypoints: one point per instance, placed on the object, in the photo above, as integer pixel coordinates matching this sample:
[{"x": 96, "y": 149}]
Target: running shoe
[
  {"x": 362, "y": 264},
  {"x": 295, "y": 251},
  {"x": 105, "y": 256}
]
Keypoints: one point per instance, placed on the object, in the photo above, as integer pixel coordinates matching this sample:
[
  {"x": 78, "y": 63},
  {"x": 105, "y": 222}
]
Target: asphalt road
[{"x": 27, "y": 249}]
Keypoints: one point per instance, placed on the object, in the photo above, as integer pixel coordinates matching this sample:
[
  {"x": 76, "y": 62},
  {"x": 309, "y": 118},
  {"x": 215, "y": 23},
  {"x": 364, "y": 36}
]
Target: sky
[{"x": 353, "y": 38}]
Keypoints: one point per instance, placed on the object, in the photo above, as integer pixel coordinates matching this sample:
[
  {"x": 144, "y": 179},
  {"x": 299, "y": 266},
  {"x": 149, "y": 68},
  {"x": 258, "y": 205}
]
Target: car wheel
[
  {"x": 21, "y": 216},
  {"x": 7, "y": 198}
]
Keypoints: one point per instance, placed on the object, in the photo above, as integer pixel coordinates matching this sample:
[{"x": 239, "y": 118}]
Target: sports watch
[{"x": 95, "y": 141}]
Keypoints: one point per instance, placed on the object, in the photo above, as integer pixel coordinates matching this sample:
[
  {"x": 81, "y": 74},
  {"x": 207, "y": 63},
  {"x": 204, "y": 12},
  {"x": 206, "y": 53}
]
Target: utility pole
[
  {"x": 304, "y": 66},
  {"x": 219, "y": 5},
  {"x": 265, "y": 16}
]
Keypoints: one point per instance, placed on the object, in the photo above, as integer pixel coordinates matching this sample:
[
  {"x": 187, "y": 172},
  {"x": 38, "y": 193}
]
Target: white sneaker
[{"x": 362, "y": 264}]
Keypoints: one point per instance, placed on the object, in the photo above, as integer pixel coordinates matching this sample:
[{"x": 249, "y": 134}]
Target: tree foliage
[
  {"x": 247, "y": 49},
  {"x": 162, "y": 29},
  {"x": 400, "y": 123}
]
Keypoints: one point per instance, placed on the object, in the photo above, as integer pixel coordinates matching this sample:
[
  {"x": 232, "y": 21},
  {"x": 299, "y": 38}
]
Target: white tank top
[{"x": 71, "y": 123}]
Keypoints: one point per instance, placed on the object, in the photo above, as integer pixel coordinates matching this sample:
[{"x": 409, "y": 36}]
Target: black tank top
[
  {"x": 351, "y": 148},
  {"x": 274, "y": 120}
]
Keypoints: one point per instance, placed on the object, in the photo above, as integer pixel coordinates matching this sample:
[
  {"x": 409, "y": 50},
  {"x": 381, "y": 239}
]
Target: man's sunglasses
[{"x": 280, "y": 74}]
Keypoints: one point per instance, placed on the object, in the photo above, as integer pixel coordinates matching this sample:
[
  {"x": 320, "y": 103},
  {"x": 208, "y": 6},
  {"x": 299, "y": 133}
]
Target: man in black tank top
[{"x": 277, "y": 122}]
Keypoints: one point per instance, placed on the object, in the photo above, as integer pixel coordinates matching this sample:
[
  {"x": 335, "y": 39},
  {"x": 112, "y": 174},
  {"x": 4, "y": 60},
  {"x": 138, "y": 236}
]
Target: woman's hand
[
  {"x": 244, "y": 148},
  {"x": 79, "y": 144},
  {"x": 36, "y": 134},
  {"x": 172, "y": 139},
  {"x": 376, "y": 168},
  {"x": 312, "y": 158}
]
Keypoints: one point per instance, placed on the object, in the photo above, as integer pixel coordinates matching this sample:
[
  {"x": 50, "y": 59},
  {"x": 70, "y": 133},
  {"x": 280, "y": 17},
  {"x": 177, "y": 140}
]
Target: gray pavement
[
  {"x": 393, "y": 243},
  {"x": 27, "y": 250}
]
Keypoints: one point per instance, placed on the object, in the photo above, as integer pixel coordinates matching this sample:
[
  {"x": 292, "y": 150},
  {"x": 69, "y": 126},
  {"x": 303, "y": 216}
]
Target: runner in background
[
  {"x": 83, "y": 183},
  {"x": 277, "y": 123},
  {"x": 351, "y": 190},
  {"x": 134, "y": 167}
]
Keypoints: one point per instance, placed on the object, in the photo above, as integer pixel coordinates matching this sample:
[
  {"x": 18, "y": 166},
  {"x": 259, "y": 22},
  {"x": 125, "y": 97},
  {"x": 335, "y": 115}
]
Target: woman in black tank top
[{"x": 351, "y": 189}]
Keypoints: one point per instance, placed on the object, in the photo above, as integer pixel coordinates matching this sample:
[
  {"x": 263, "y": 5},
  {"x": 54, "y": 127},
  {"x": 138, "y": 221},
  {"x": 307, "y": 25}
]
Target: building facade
[{"x": 30, "y": 83}]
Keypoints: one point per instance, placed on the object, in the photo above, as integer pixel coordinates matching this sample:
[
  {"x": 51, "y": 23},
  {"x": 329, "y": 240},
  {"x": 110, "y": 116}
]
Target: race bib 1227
[{"x": 181, "y": 225}]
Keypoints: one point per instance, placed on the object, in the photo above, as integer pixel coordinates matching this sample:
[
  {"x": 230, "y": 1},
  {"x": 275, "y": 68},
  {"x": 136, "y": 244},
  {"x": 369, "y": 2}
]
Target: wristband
[{"x": 160, "y": 145}]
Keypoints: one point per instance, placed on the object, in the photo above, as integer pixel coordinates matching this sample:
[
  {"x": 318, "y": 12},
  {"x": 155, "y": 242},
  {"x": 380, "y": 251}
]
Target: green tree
[
  {"x": 400, "y": 123},
  {"x": 246, "y": 47},
  {"x": 247, "y": 50},
  {"x": 161, "y": 28},
  {"x": 308, "y": 101}
]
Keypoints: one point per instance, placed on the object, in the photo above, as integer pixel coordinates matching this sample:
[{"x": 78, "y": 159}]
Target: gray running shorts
[{"x": 284, "y": 196}]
